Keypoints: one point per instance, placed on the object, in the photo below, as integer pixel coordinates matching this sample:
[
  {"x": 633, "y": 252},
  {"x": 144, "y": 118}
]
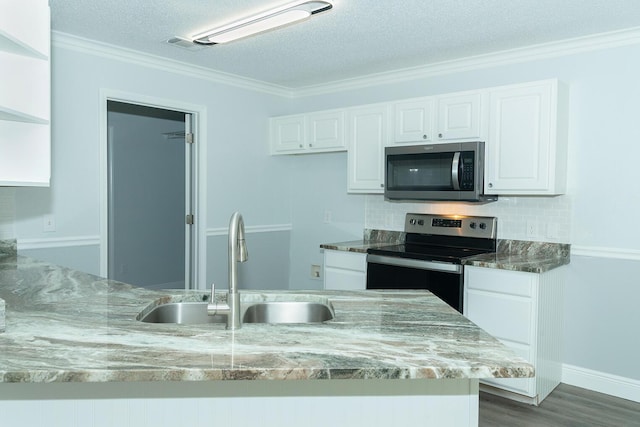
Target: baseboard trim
[{"x": 602, "y": 382}]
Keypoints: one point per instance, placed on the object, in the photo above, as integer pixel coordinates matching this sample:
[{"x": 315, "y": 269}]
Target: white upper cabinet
[
  {"x": 316, "y": 132},
  {"x": 25, "y": 158},
  {"x": 367, "y": 134},
  {"x": 413, "y": 120},
  {"x": 460, "y": 117},
  {"x": 325, "y": 131},
  {"x": 288, "y": 134},
  {"x": 527, "y": 139},
  {"x": 439, "y": 119}
]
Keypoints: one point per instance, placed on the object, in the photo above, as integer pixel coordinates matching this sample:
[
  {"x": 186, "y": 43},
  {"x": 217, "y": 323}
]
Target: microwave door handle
[{"x": 455, "y": 167}]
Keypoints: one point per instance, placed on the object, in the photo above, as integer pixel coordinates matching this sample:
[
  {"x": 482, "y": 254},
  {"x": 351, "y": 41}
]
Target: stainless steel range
[{"x": 431, "y": 257}]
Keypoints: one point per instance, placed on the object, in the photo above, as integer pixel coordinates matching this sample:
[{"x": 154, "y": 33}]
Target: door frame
[{"x": 199, "y": 128}]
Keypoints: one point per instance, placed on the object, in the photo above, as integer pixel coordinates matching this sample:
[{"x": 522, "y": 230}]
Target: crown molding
[
  {"x": 92, "y": 47},
  {"x": 506, "y": 57}
]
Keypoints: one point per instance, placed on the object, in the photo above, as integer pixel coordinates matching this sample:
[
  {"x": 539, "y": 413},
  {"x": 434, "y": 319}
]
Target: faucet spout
[
  {"x": 237, "y": 253},
  {"x": 237, "y": 249}
]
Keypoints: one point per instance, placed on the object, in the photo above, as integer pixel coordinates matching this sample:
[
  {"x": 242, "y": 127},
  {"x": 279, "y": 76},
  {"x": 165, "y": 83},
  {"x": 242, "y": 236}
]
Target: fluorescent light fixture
[{"x": 273, "y": 18}]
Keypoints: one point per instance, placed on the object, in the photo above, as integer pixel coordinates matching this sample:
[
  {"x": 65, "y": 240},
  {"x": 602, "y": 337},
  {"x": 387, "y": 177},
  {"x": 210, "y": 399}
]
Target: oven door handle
[{"x": 415, "y": 263}]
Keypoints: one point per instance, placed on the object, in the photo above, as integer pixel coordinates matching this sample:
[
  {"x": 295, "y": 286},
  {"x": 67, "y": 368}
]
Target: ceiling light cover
[{"x": 267, "y": 20}]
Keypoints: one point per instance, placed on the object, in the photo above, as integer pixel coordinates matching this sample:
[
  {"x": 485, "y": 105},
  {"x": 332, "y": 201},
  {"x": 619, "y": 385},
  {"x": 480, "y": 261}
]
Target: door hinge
[
  {"x": 190, "y": 219},
  {"x": 188, "y": 138}
]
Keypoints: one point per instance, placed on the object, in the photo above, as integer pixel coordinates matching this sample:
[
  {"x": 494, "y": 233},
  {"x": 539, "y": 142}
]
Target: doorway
[{"x": 149, "y": 196}]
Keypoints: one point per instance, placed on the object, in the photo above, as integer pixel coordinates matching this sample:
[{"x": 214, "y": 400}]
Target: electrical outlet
[
  {"x": 315, "y": 271},
  {"x": 532, "y": 229},
  {"x": 49, "y": 223}
]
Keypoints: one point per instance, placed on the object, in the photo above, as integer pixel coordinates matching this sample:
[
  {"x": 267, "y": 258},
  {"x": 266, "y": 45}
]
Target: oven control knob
[
  {"x": 412, "y": 221},
  {"x": 421, "y": 222},
  {"x": 483, "y": 225},
  {"x": 473, "y": 225}
]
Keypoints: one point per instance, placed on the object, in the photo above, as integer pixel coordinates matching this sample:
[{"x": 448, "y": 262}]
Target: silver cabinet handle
[
  {"x": 490, "y": 185},
  {"x": 439, "y": 135},
  {"x": 424, "y": 136}
]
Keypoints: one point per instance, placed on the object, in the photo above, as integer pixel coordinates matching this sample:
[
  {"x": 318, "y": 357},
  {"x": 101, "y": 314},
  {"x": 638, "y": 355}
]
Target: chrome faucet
[{"x": 237, "y": 253}]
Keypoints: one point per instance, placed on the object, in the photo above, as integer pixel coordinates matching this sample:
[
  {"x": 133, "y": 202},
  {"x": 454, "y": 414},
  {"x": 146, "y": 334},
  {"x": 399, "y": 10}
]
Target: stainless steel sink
[
  {"x": 190, "y": 313},
  {"x": 288, "y": 312},
  {"x": 261, "y": 312}
]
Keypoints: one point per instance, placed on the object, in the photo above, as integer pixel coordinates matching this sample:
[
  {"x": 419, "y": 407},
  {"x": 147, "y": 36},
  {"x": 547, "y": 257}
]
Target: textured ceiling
[{"x": 355, "y": 38}]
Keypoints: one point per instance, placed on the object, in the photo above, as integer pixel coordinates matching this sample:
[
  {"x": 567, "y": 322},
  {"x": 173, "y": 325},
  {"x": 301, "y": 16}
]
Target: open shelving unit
[{"x": 25, "y": 93}]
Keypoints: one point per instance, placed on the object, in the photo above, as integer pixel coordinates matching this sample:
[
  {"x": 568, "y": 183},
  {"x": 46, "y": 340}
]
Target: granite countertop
[
  {"x": 67, "y": 326},
  {"x": 359, "y": 246},
  {"x": 515, "y": 255}
]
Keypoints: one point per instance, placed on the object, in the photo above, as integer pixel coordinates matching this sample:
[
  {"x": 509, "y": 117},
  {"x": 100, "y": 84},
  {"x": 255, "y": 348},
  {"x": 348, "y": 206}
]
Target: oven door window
[
  {"x": 424, "y": 172},
  {"x": 446, "y": 286}
]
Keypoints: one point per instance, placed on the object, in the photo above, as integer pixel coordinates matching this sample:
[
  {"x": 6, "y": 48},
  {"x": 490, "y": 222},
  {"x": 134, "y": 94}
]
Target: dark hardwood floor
[{"x": 565, "y": 406}]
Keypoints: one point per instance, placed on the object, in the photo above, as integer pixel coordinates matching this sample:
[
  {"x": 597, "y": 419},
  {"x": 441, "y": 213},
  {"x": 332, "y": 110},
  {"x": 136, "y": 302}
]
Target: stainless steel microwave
[{"x": 448, "y": 172}]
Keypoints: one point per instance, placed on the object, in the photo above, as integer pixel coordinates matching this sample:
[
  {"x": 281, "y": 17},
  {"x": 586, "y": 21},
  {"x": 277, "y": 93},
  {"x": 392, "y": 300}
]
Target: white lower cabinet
[
  {"x": 345, "y": 271},
  {"x": 524, "y": 311}
]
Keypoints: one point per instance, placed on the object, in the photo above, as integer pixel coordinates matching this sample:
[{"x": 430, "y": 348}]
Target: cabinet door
[
  {"x": 459, "y": 117},
  {"x": 345, "y": 270},
  {"x": 521, "y": 150},
  {"x": 503, "y": 303},
  {"x": 367, "y": 131},
  {"x": 326, "y": 131},
  {"x": 413, "y": 121},
  {"x": 288, "y": 134}
]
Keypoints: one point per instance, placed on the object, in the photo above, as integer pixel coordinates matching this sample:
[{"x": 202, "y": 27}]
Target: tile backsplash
[{"x": 542, "y": 219}]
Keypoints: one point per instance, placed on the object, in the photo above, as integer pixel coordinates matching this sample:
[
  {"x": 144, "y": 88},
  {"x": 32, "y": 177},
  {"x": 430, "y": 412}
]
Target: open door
[{"x": 150, "y": 201}]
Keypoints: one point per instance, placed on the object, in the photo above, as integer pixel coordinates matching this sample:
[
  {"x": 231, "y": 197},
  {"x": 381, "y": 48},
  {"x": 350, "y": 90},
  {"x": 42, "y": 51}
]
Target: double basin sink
[{"x": 276, "y": 311}]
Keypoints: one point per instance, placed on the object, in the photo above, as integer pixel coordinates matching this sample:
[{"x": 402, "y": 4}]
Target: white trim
[
  {"x": 105, "y": 50},
  {"x": 613, "y": 385},
  {"x": 58, "y": 242},
  {"x": 223, "y": 231},
  {"x": 512, "y": 56},
  {"x": 199, "y": 113},
  {"x": 600, "y": 252}
]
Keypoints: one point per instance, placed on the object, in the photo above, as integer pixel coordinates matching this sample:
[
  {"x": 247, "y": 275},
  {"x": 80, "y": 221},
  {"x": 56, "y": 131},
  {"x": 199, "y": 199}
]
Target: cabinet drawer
[
  {"x": 502, "y": 281},
  {"x": 345, "y": 260},
  {"x": 505, "y": 317},
  {"x": 344, "y": 280}
]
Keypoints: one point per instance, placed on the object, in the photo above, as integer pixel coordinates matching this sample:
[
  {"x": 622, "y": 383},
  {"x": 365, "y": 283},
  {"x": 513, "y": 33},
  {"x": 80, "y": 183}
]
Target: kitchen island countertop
[{"x": 66, "y": 326}]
